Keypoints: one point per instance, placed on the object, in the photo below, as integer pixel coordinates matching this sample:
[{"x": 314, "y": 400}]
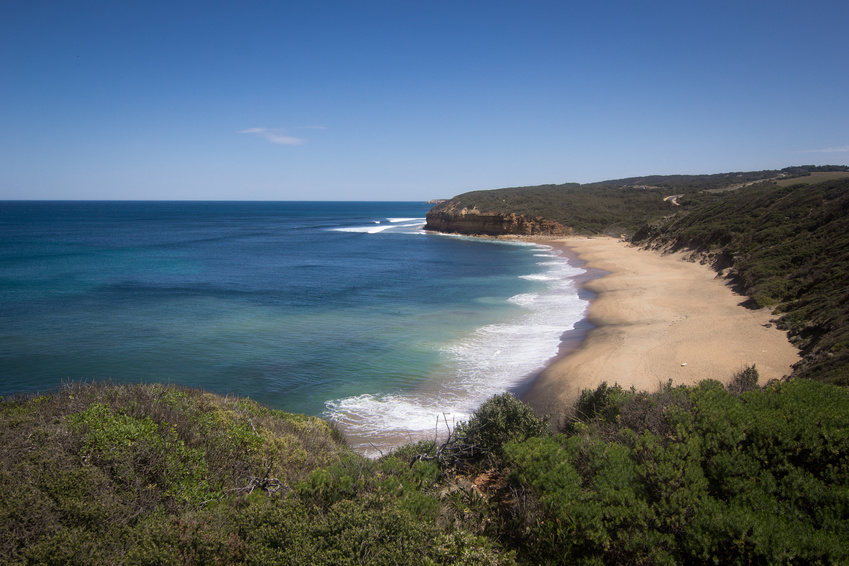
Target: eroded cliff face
[{"x": 472, "y": 221}]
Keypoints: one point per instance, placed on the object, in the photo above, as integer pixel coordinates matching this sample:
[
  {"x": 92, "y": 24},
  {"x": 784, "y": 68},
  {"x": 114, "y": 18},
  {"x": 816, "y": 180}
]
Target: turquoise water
[{"x": 346, "y": 310}]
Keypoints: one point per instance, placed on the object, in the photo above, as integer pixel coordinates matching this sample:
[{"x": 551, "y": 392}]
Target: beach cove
[{"x": 657, "y": 317}]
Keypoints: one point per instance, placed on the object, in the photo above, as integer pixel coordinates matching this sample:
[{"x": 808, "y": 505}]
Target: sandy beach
[{"x": 658, "y": 317}]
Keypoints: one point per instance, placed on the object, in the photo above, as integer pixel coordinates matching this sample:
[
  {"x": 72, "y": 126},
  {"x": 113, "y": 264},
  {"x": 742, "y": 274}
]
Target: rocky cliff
[{"x": 472, "y": 221}]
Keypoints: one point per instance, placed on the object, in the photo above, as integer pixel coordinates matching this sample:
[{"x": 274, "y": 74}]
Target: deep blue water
[{"x": 347, "y": 310}]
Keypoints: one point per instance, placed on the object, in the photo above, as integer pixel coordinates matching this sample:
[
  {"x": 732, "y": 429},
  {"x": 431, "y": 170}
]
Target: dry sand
[{"x": 659, "y": 317}]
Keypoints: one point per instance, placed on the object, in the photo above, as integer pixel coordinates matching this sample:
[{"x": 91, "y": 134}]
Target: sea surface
[{"x": 347, "y": 310}]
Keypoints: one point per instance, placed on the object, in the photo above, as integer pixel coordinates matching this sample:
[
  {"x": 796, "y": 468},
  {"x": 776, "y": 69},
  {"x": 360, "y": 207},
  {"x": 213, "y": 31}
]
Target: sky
[{"x": 404, "y": 100}]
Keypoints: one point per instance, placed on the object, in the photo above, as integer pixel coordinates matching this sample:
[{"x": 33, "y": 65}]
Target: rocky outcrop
[{"x": 472, "y": 221}]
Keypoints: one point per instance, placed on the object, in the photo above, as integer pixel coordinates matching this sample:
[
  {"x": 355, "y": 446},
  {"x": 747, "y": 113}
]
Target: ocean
[{"x": 346, "y": 310}]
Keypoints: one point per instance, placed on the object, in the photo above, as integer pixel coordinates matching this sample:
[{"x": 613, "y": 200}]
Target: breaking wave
[{"x": 492, "y": 359}]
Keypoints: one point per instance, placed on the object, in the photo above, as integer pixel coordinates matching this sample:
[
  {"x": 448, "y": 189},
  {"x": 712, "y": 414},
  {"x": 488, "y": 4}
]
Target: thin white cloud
[
  {"x": 844, "y": 149},
  {"x": 274, "y": 135}
]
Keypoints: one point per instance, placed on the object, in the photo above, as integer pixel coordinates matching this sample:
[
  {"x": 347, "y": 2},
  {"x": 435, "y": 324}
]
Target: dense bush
[
  {"x": 500, "y": 420},
  {"x": 152, "y": 474},
  {"x": 756, "y": 477}
]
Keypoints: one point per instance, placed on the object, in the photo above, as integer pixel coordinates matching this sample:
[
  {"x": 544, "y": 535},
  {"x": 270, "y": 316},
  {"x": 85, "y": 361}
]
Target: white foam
[
  {"x": 364, "y": 229},
  {"x": 539, "y": 277},
  {"x": 491, "y": 360},
  {"x": 397, "y": 220},
  {"x": 395, "y": 224},
  {"x": 400, "y": 415}
]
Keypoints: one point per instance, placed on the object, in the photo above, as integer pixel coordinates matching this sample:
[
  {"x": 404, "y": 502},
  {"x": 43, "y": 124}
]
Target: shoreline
[
  {"x": 654, "y": 318},
  {"x": 571, "y": 339}
]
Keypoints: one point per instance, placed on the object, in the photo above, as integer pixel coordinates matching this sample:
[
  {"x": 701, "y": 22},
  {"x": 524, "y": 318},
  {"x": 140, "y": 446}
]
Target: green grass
[{"x": 814, "y": 178}]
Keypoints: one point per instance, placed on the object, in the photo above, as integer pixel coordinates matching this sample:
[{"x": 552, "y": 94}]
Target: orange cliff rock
[{"x": 472, "y": 221}]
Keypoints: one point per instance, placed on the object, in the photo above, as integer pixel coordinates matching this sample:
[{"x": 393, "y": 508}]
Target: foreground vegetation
[
  {"x": 151, "y": 474},
  {"x": 698, "y": 475}
]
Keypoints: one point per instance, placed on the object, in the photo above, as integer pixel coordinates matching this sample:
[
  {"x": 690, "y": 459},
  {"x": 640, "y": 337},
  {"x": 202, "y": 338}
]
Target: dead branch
[
  {"x": 452, "y": 451},
  {"x": 269, "y": 485}
]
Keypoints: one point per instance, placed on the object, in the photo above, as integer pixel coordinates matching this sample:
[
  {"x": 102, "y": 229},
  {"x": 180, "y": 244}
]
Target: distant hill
[
  {"x": 590, "y": 209},
  {"x": 608, "y": 207},
  {"x": 696, "y": 183}
]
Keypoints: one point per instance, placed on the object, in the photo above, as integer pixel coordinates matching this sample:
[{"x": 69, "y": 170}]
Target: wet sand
[{"x": 654, "y": 318}]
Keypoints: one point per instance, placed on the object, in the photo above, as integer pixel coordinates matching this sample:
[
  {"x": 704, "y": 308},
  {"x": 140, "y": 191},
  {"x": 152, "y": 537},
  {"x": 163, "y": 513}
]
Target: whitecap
[
  {"x": 406, "y": 220},
  {"x": 363, "y": 229},
  {"x": 394, "y": 224}
]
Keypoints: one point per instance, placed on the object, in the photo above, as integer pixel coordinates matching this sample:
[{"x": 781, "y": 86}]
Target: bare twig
[
  {"x": 452, "y": 450},
  {"x": 376, "y": 448},
  {"x": 269, "y": 485}
]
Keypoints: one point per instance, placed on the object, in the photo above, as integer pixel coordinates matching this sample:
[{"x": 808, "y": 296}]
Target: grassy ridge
[
  {"x": 623, "y": 205},
  {"x": 686, "y": 184},
  {"x": 814, "y": 178}
]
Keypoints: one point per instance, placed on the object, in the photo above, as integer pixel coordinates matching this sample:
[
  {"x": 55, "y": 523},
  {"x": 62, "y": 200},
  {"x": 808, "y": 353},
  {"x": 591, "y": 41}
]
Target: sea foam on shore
[{"x": 492, "y": 359}]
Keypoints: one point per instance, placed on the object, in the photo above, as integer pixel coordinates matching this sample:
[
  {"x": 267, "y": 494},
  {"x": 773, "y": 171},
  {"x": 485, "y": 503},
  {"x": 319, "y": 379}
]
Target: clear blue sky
[{"x": 404, "y": 100}]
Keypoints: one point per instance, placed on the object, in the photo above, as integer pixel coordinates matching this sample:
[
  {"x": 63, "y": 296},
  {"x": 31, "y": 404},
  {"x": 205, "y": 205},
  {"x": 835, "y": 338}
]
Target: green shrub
[
  {"x": 602, "y": 405},
  {"x": 500, "y": 420},
  {"x": 96, "y": 472},
  {"x": 760, "y": 476},
  {"x": 357, "y": 531},
  {"x": 743, "y": 381}
]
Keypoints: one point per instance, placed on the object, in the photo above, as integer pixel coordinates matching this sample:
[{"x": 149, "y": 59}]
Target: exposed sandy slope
[{"x": 659, "y": 317}]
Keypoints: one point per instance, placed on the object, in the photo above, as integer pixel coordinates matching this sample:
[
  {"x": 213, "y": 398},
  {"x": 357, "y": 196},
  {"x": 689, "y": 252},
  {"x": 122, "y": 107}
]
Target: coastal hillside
[
  {"x": 161, "y": 475},
  {"x": 781, "y": 236},
  {"x": 614, "y": 207},
  {"x": 549, "y": 210},
  {"x": 787, "y": 247},
  {"x": 153, "y": 474},
  {"x": 723, "y": 472}
]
